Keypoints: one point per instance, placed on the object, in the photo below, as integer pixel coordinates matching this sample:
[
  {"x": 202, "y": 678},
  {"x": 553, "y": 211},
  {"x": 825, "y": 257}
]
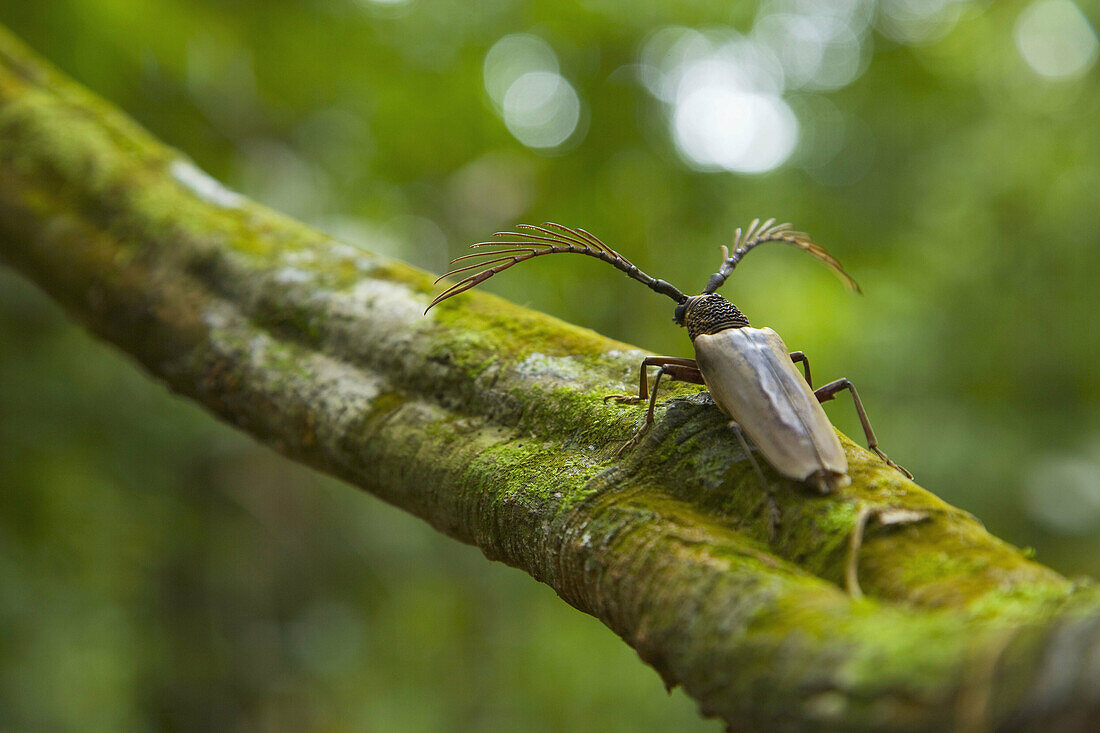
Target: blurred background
[{"x": 160, "y": 571}]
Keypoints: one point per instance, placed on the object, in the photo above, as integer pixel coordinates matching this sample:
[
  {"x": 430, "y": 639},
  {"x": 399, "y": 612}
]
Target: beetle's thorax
[{"x": 709, "y": 314}]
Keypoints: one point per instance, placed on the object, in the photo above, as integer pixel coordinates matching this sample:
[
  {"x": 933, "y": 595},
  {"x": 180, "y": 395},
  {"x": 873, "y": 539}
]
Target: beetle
[{"x": 749, "y": 371}]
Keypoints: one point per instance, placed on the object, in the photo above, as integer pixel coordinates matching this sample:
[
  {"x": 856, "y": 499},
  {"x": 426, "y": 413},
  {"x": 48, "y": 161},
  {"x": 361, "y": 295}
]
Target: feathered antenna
[
  {"x": 548, "y": 239},
  {"x": 769, "y": 231}
]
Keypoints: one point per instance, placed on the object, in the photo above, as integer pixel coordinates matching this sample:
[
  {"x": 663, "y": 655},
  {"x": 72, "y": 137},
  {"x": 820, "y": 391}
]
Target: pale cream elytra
[
  {"x": 749, "y": 371},
  {"x": 753, "y": 380}
]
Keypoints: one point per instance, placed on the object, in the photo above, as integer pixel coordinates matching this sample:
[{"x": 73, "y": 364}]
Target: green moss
[
  {"x": 1027, "y": 603},
  {"x": 837, "y": 519},
  {"x": 536, "y": 469},
  {"x": 343, "y": 272},
  {"x": 398, "y": 272},
  {"x": 516, "y": 332},
  {"x": 914, "y": 652},
  {"x": 818, "y": 535},
  {"x": 386, "y": 403},
  {"x": 291, "y": 320},
  {"x": 470, "y": 351}
]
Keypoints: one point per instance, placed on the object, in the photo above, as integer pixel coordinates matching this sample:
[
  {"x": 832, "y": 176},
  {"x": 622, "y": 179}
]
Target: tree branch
[{"x": 487, "y": 420}]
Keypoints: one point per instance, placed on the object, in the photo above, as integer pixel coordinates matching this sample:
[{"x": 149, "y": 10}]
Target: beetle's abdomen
[{"x": 752, "y": 379}]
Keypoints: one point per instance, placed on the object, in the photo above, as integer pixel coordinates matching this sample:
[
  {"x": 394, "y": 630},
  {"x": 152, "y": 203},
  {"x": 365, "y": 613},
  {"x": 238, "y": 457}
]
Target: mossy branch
[{"x": 487, "y": 420}]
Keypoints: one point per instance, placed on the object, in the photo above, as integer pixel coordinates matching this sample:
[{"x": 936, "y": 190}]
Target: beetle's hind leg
[
  {"x": 769, "y": 496},
  {"x": 830, "y": 390},
  {"x": 677, "y": 368}
]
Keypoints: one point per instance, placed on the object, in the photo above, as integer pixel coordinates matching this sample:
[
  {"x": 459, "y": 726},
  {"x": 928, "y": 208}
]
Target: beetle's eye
[{"x": 678, "y": 315}]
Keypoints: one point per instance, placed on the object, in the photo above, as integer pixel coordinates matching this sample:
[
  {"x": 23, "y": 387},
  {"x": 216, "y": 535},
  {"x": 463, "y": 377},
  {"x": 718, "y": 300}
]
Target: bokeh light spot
[
  {"x": 541, "y": 109},
  {"x": 820, "y": 45},
  {"x": 510, "y": 58},
  {"x": 722, "y": 128},
  {"x": 917, "y": 22},
  {"x": 725, "y": 91},
  {"x": 1055, "y": 39}
]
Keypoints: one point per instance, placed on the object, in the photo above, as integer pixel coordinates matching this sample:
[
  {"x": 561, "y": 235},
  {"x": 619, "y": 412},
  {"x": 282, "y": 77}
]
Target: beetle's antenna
[
  {"x": 769, "y": 231},
  {"x": 548, "y": 239}
]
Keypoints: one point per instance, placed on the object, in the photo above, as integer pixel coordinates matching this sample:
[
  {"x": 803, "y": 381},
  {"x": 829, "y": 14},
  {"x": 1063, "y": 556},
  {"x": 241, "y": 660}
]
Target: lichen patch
[{"x": 387, "y": 300}]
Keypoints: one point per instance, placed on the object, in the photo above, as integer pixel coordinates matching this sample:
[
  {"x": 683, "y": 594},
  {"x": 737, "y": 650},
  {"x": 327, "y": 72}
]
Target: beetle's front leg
[
  {"x": 677, "y": 368},
  {"x": 830, "y": 390},
  {"x": 643, "y": 382}
]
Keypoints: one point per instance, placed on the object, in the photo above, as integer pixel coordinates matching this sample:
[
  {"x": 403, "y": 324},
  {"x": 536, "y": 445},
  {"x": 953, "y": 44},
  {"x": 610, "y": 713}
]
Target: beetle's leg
[
  {"x": 798, "y": 356},
  {"x": 643, "y": 382},
  {"x": 736, "y": 428},
  {"x": 677, "y": 370},
  {"x": 830, "y": 390},
  {"x": 649, "y": 413},
  {"x": 677, "y": 373},
  {"x": 773, "y": 507}
]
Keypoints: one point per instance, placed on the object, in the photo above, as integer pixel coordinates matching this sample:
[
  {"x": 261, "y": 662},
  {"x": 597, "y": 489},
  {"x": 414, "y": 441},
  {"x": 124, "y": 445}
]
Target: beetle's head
[
  {"x": 708, "y": 313},
  {"x": 682, "y": 309}
]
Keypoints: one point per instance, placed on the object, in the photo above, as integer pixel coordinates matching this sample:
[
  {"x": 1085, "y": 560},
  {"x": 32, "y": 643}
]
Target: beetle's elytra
[{"x": 749, "y": 371}]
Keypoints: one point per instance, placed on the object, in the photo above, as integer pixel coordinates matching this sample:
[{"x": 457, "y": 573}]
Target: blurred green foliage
[{"x": 158, "y": 571}]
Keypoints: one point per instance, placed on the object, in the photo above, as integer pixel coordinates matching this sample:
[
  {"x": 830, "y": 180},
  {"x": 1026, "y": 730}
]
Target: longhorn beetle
[{"x": 749, "y": 371}]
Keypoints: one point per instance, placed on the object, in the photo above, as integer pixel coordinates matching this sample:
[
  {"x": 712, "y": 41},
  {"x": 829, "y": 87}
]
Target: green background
[{"x": 160, "y": 571}]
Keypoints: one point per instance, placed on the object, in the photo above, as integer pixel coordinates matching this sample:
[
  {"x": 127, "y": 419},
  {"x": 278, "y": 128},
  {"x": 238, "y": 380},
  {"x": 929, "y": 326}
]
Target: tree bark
[{"x": 487, "y": 421}]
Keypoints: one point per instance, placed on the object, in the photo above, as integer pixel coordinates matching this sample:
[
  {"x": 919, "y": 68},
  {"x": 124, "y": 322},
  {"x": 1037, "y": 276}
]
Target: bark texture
[{"x": 487, "y": 421}]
